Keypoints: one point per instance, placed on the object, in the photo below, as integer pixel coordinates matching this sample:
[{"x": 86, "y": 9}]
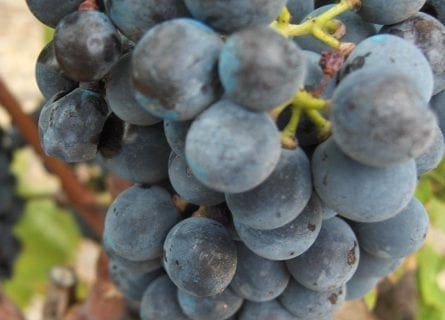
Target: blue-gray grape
[
  {"x": 396, "y": 237},
  {"x": 379, "y": 119},
  {"x": 176, "y": 133},
  {"x": 438, "y": 106},
  {"x": 232, "y": 15},
  {"x": 132, "y": 285},
  {"x": 331, "y": 261},
  {"x": 87, "y": 45},
  {"x": 218, "y": 307},
  {"x": 50, "y": 12},
  {"x": 388, "y": 52},
  {"x": 135, "y": 17},
  {"x": 258, "y": 279},
  {"x": 288, "y": 241},
  {"x": 177, "y": 80},
  {"x": 339, "y": 181},
  {"x": 358, "y": 286},
  {"x": 374, "y": 266},
  {"x": 260, "y": 69},
  {"x": 433, "y": 155},
  {"x": 231, "y": 149},
  {"x": 384, "y": 12},
  {"x": 200, "y": 256},
  {"x": 50, "y": 78},
  {"x": 309, "y": 304},
  {"x": 70, "y": 125},
  {"x": 120, "y": 95},
  {"x": 138, "y": 221},
  {"x": 188, "y": 187},
  {"x": 428, "y": 34},
  {"x": 130, "y": 266},
  {"x": 160, "y": 301},
  {"x": 280, "y": 198},
  {"x": 269, "y": 310},
  {"x": 136, "y": 153}
]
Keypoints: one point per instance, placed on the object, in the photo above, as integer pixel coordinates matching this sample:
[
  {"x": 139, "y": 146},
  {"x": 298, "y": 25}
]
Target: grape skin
[
  {"x": 379, "y": 119},
  {"x": 338, "y": 181},
  {"x": 160, "y": 301},
  {"x": 280, "y": 198},
  {"x": 260, "y": 69},
  {"x": 269, "y": 310},
  {"x": 231, "y": 149},
  {"x": 258, "y": 279},
  {"x": 50, "y": 78},
  {"x": 120, "y": 98},
  {"x": 229, "y": 16},
  {"x": 136, "y": 153},
  {"x": 384, "y": 12},
  {"x": 377, "y": 267},
  {"x": 138, "y": 221},
  {"x": 433, "y": 155},
  {"x": 86, "y": 45},
  {"x": 218, "y": 307},
  {"x": 396, "y": 237},
  {"x": 438, "y": 106},
  {"x": 176, "y": 80},
  {"x": 188, "y": 187},
  {"x": 200, "y": 256},
  {"x": 130, "y": 266},
  {"x": 132, "y": 285},
  {"x": 176, "y": 132},
  {"x": 305, "y": 303},
  {"x": 331, "y": 261},
  {"x": 358, "y": 286},
  {"x": 428, "y": 34},
  {"x": 70, "y": 125},
  {"x": 50, "y": 12},
  {"x": 288, "y": 241},
  {"x": 135, "y": 17},
  {"x": 388, "y": 52}
]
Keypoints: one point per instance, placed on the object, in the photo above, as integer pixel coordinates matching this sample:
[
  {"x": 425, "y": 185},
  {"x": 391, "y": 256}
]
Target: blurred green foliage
[{"x": 431, "y": 258}]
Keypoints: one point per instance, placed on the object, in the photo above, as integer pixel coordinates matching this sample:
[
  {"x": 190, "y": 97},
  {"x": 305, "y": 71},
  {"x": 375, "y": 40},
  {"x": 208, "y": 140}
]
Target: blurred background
[{"x": 49, "y": 256}]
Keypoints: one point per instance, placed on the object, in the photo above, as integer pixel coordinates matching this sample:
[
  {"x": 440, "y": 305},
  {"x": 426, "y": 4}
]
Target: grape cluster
[
  {"x": 286, "y": 219},
  {"x": 11, "y": 204}
]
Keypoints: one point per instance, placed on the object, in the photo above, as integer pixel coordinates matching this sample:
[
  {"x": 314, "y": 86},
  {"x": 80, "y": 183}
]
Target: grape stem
[
  {"x": 89, "y": 5},
  {"x": 201, "y": 212},
  {"x": 321, "y": 123},
  {"x": 303, "y": 101},
  {"x": 81, "y": 198},
  {"x": 320, "y": 27}
]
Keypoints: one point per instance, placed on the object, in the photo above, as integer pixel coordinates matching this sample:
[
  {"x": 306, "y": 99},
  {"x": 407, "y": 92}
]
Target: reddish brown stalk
[
  {"x": 82, "y": 199},
  {"x": 330, "y": 62},
  {"x": 88, "y": 5},
  {"x": 8, "y": 310}
]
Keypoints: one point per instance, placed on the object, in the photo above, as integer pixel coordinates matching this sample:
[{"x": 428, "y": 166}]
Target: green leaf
[
  {"x": 430, "y": 264},
  {"x": 50, "y": 237},
  {"x": 430, "y": 313},
  {"x": 436, "y": 211},
  {"x": 424, "y": 191}
]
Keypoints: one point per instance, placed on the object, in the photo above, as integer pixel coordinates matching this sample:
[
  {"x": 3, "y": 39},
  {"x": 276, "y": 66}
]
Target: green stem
[
  {"x": 289, "y": 132},
  {"x": 315, "y": 26}
]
